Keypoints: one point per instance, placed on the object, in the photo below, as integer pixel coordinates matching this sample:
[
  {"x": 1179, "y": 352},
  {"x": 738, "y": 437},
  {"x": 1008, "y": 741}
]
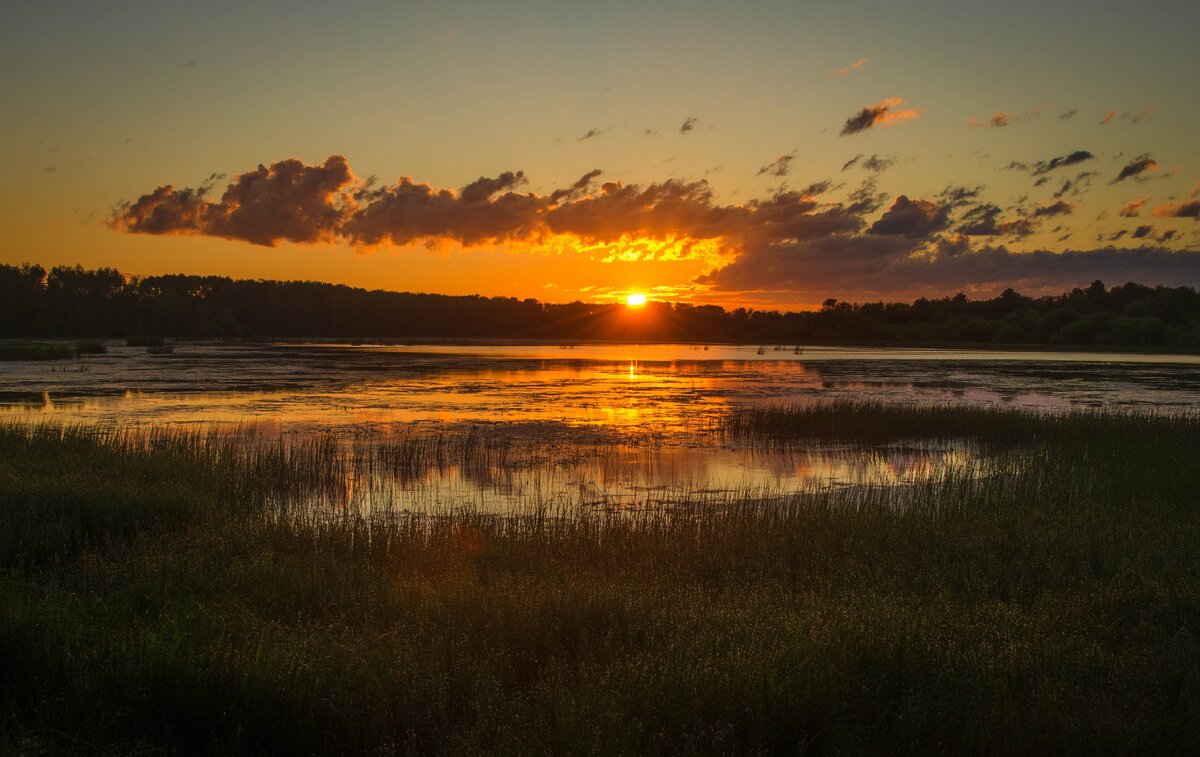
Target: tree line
[{"x": 73, "y": 302}]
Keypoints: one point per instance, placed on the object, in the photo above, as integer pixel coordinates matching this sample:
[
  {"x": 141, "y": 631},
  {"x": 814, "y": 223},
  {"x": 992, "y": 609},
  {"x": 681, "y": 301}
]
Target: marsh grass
[
  {"x": 35, "y": 351},
  {"x": 158, "y": 594}
]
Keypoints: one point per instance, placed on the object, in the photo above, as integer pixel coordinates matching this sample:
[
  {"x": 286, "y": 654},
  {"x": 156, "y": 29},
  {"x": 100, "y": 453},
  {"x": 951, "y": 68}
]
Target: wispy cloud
[
  {"x": 592, "y": 134},
  {"x": 779, "y": 166},
  {"x": 855, "y": 66},
  {"x": 1136, "y": 167},
  {"x": 886, "y": 113}
]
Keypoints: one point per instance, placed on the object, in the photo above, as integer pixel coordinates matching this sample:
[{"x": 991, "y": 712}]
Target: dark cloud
[
  {"x": 1136, "y": 167},
  {"x": 852, "y": 162},
  {"x": 876, "y": 164},
  {"x": 779, "y": 166},
  {"x": 911, "y": 218},
  {"x": 1067, "y": 116},
  {"x": 592, "y": 134},
  {"x": 1046, "y": 166},
  {"x": 844, "y": 265},
  {"x": 1142, "y": 232},
  {"x": 1059, "y": 208},
  {"x": 1190, "y": 209},
  {"x": 881, "y": 114},
  {"x": 288, "y": 201},
  {"x": 689, "y": 124},
  {"x": 1076, "y": 186},
  {"x": 789, "y": 241},
  {"x": 955, "y": 197}
]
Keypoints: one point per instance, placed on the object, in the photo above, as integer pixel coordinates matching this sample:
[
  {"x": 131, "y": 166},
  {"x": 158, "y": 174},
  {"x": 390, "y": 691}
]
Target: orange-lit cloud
[
  {"x": 290, "y": 201},
  {"x": 1108, "y": 117},
  {"x": 880, "y": 114},
  {"x": 1133, "y": 208},
  {"x": 287, "y": 201},
  {"x": 997, "y": 120},
  {"x": 792, "y": 240},
  {"x": 856, "y": 65},
  {"x": 1189, "y": 209}
]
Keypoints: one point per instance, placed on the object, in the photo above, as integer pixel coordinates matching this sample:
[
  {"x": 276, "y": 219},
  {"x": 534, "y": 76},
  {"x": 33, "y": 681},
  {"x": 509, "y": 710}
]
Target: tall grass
[{"x": 156, "y": 595}]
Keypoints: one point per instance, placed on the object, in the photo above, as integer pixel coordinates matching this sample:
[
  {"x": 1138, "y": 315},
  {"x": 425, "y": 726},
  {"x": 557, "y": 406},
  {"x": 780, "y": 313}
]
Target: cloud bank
[{"x": 794, "y": 240}]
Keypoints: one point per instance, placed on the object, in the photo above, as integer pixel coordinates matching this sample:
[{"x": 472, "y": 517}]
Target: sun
[{"x": 635, "y": 300}]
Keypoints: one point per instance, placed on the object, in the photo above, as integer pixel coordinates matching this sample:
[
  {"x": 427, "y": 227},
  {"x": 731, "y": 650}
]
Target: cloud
[
  {"x": 1145, "y": 112},
  {"x": 1075, "y": 186},
  {"x": 1136, "y": 167},
  {"x": 874, "y": 163},
  {"x": 1068, "y": 115},
  {"x": 592, "y": 134},
  {"x": 1108, "y": 117},
  {"x": 1189, "y": 209},
  {"x": 800, "y": 241},
  {"x": 288, "y": 201},
  {"x": 872, "y": 265},
  {"x": 911, "y": 218},
  {"x": 856, "y": 65},
  {"x": 689, "y": 124},
  {"x": 997, "y": 120},
  {"x": 881, "y": 114},
  {"x": 1142, "y": 232},
  {"x": 1133, "y": 208},
  {"x": 983, "y": 220},
  {"x": 1059, "y": 208},
  {"x": 1046, "y": 166},
  {"x": 779, "y": 166}
]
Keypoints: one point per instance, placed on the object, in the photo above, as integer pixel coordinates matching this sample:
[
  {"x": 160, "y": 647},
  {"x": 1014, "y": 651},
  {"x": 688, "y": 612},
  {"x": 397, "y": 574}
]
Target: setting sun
[{"x": 635, "y": 300}]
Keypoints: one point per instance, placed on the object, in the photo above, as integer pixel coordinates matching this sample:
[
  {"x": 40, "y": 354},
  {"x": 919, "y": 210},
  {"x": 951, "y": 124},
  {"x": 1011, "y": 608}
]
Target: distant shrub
[{"x": 90, "y": 348}]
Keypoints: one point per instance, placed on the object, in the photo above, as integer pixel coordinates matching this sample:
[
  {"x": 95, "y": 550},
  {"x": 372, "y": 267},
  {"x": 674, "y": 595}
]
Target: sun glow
[{"x": 635, "y": 300}]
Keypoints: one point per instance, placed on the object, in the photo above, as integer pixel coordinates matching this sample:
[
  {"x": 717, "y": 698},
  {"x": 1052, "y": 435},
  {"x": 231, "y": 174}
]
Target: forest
[{"x": 73, "y": 302}]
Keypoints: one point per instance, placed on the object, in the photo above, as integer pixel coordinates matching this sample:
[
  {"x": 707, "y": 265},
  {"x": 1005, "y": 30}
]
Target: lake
[{"x": 614, "y": 424}]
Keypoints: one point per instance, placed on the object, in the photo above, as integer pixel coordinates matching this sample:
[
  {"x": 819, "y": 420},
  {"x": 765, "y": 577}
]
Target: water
[{"x": 600, "y": 423}]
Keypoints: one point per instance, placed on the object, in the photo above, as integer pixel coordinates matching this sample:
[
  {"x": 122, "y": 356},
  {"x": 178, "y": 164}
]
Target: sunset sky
[{"x": 764, "y": 154}]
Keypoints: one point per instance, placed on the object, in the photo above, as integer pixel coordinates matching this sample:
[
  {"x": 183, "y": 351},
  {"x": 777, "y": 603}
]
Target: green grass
[
  {"x": 35, "y": 351},
  {"x": 155, "y": 596}
]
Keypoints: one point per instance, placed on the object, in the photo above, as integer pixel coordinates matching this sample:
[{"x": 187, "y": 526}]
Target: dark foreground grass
[{"x": 154, "y": 599}]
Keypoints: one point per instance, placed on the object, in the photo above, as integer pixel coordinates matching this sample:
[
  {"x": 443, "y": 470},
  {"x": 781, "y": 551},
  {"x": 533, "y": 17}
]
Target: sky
[{"x": 761, "y": 154}]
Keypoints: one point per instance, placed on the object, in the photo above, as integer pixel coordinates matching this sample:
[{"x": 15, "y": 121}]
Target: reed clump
[{"x": 157, "y": 593}]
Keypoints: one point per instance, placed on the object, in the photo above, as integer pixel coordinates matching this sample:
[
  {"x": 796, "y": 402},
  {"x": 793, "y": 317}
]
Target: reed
[{"x": 167, "y": 590}]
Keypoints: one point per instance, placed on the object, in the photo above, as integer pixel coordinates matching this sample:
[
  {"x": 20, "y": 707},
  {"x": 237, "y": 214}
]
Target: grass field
[{"x": 155, "y": 596}]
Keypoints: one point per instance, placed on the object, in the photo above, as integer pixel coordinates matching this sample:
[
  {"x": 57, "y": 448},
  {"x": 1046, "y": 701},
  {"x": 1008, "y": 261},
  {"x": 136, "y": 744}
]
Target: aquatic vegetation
[{"x": 168, "y": 590}]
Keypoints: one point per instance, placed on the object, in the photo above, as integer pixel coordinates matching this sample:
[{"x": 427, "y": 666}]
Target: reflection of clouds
[{"x": 630, "y": 388}]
